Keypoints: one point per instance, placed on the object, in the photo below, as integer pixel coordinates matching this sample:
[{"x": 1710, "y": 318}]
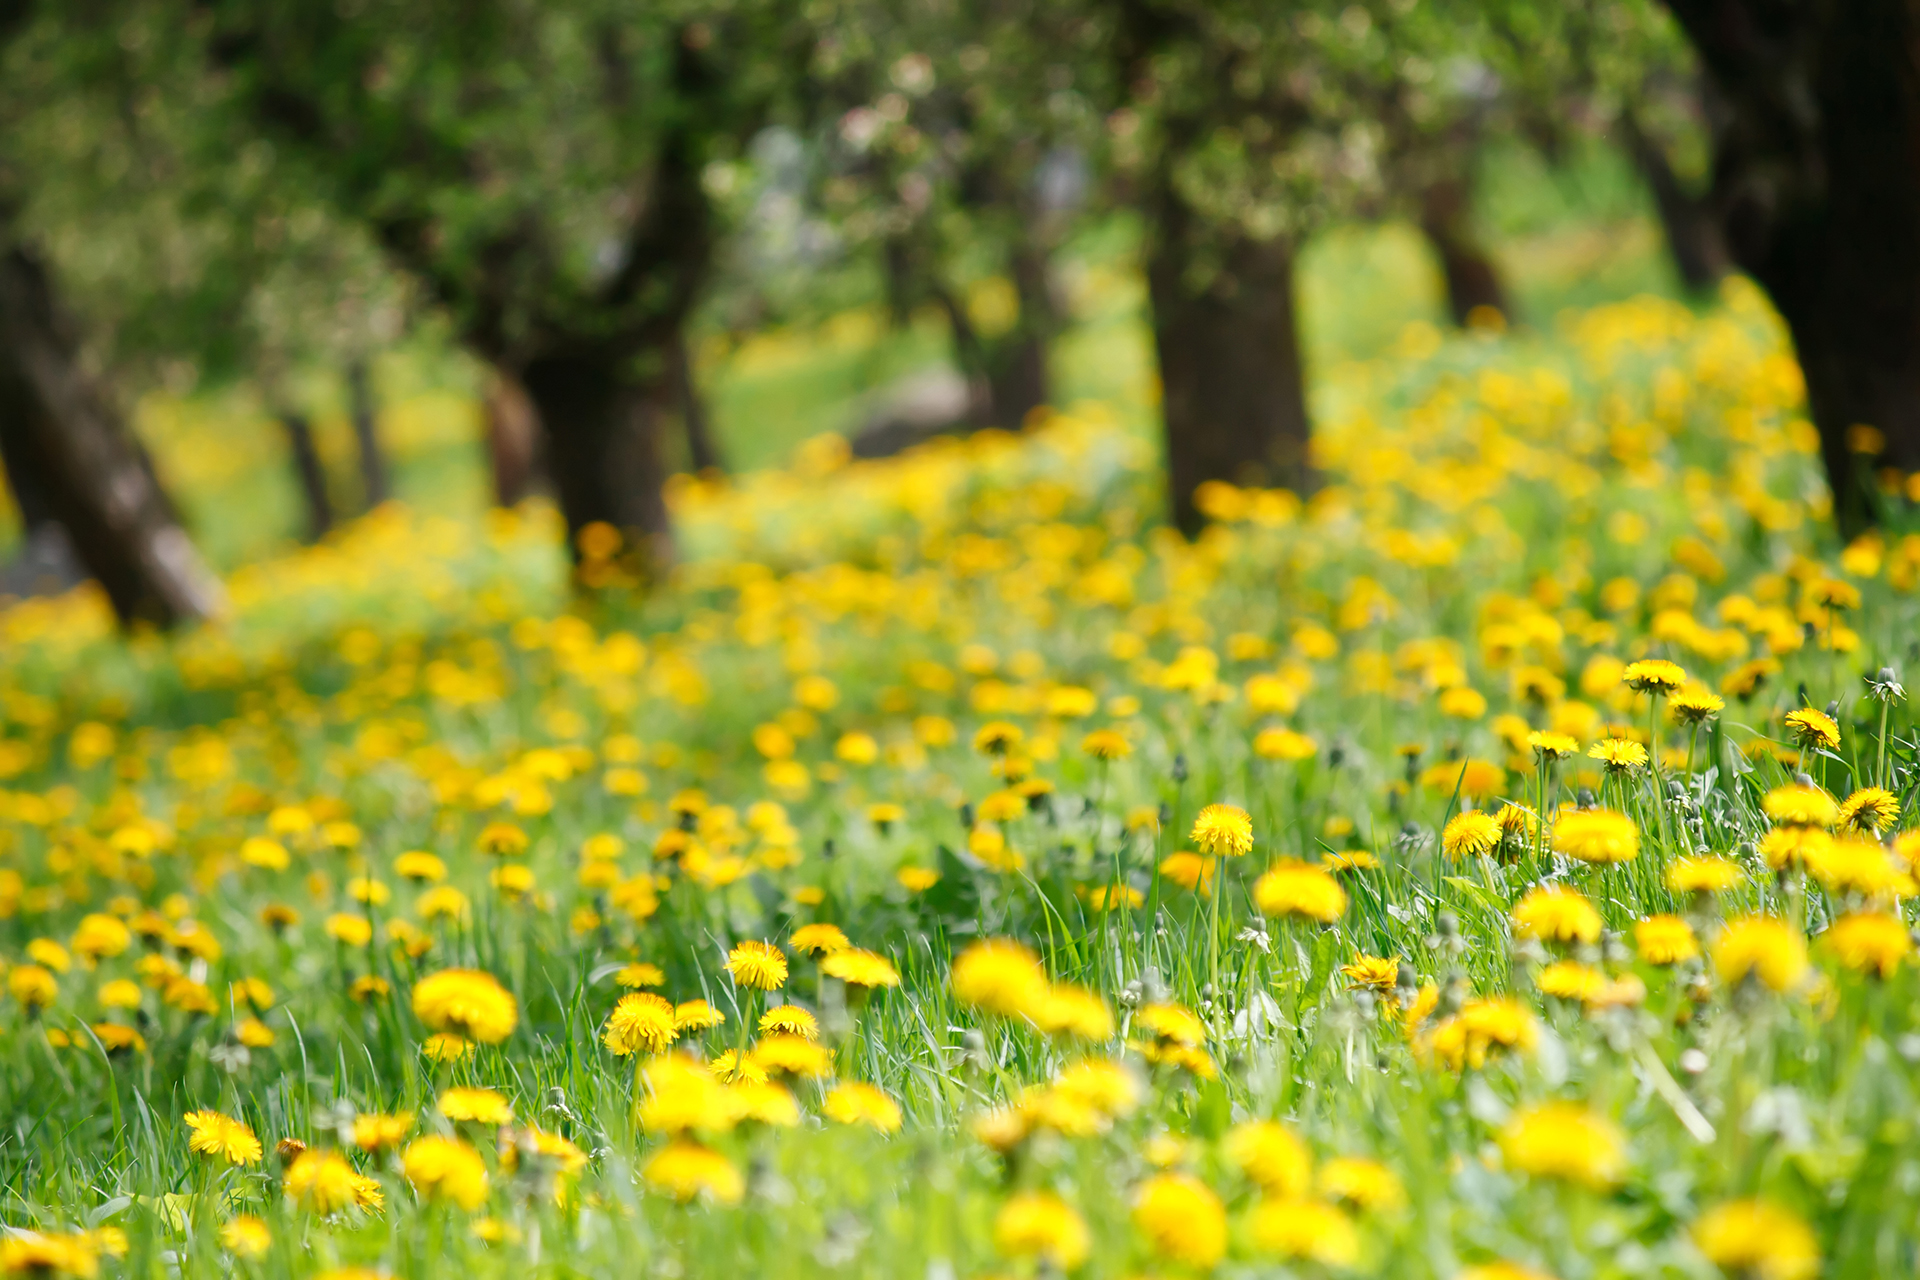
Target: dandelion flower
[
  {"x": 641, "y": 1023},
  {"x": 819, "y": 939},
  {"x": 757, "y": 965},
  {"x": 1223, "y": 830},
  {"x": 1556, "y": 914},
  {"x": 1600, "y": 836},
  {"x": 323, "y": 1182},
  {"x": 1814, "y": 730},
  {"x": 1567, "y": 1141},
  {"x": 1871, "y": 809},
  {"x": 1379, "y": 973},
  {"x": 858, "y": 1103},
  {"x": 1770, "y": 950},
  {"x": 446, "y": 1169},
  {"x": 789, "y": 1019},
  {"x": 1665, "y": 940},
  {"x": 685, "y": 1169},
  {"x": 469, "y": 1003},
  {"x": 696, "y": 1015},
  {"x": 1868, "y": 942},
  {"x": 1758, "y": 1238},
  {"x": 1470, "y": 834},
  {"x": 1799, "y": 805},
  {"x": 1182, "y": 1219},
  {"x": 1271, "y": 1157},
  {"x": 214, "y": 1134},
  {"x": 861, "y": 968},
  {"x": 1365, "y": 1184},
  {"x": 245, "y": 1236},
  {"x": 1308, "y": 1229},
  {"x": 999, "y": 976},
  {"x": 1041, "y": 1225},
  {"x": 1619, "y": 755},
  {"x": 1704, "y": 874},
  {"x": 1654, "y": 675},
  {"x": 480, "y": 1106},
  {"x": 1299, "y": 888}
]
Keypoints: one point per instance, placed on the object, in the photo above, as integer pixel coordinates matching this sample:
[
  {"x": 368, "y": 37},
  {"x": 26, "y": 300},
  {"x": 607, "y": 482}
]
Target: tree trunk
[
  {"x": 513, "y": 439},
  {"x": 703, "y": 452},
  {"x": 1233, "y": 399},
  {"x": 1687, "y": 220},
  {"x": 311, "y": 473},
  {"x": 1018, "y": 368},
  {"x": 64, "y": 440},
  {"x": 1817, "y": 180},
  {"x": 1473, "y": 282},
  {"x": 603, "y": 432},
  {"x": 375, "y": 487}
]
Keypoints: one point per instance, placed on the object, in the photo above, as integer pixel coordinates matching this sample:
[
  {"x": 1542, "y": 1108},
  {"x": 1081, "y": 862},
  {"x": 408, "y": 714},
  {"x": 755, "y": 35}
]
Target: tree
[
  {"x": 543, "y": 176},
  {"x": 1816, "y": 130},
  {"x": 1239, "y": 130},
  {"x": 71, "y": 459},
  {"x": 953, "y": 139}
]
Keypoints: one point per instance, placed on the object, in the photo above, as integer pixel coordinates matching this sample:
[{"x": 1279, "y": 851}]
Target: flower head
[
  {"x": 1813, "y": 729},
  {"x": 1654, "y": 675},
  {"x": 214, "y": 1134},
  {"x": 1596, "y": 835},
  {"x": 1299, "y": 888},
  {"x": 1039, "y": 1224},
  {"x": 469, "y": 1003},
  {"x": 446, "y": 1169},
  {"x": 1758, "y": 1238},
  {"x": 1470, "y": 834},
  {"x": 1223, "y": 830},
  {"x": 1565, "y": 1140},
  {"x": 1770, "y": 950},
  {"x": 999, "y": 976},
  {"x": 1871, "y": 809},
  {"x": 1182, "y": 1219},
  {"x": 859, "y": 968},
  {"x": 757, "y": 965},
  {"x": 641, "y": 1023},
  {"x": 1555, "y": 914}
]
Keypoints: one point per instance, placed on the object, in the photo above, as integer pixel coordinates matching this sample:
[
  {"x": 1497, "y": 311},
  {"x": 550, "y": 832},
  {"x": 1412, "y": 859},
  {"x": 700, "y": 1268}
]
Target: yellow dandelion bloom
[
  {"x": 1665, "y": 940},
  {"x": 1038, "y": 1224},
  {"x": 1567, "y": 1141},
  {"x": 1302, "y": 889},
  {"x": 857, "y": 1103},
  {"x": 446, "y": 1169},
  {"x": 1470, "y": 834},
  {"x": 1556, "y": 914},
  {"x": 1758, "y": 1238},
  {"x": 1271, "y": 1157},
  {"x": 1769, "y": 950},
  {"x": 859, "y": 968},
  {"x": 684, "y": 1169},
  {"x": 641, "y": 1023},
  {"x": 1599, "y": 836},
  {"x": 1182, "y": 1219},
  {"x": 757, "y": 965},
  {"x": 469, "y": 1003},
  {"x": 1306, "y": 1229},
  {"x": 214, "y": 1134},
  {"x": 1223, "y": 830}
]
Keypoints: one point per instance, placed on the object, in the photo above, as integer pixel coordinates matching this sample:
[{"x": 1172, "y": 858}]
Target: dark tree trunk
[
  {"x": 1817, "y": 183},
  {"x": 375, "y": 486},
  {"x": 1446, "y": 216},
  {"x": 513, "y": 439},
  {"x": 72, "y": 459},
  {"x": 1233, "y": 398},
  {"x": 311, "y": 473},
  {"x": 703, "y": 451},
  {"x": 1693, "y": 235},
  {"x": 603, "y": 437},
  {"x": 1018, "y": 373}
]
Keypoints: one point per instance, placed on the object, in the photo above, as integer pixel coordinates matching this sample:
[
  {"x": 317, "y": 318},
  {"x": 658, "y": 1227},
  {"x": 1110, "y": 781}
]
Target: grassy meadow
[{"x": 1492, "y": 868}]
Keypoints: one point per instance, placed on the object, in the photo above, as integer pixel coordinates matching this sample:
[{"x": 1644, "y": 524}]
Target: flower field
[{"x": 1493, "y": 868}]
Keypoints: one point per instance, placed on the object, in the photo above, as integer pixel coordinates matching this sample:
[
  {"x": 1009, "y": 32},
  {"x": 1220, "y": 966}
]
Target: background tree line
[{"x": 234, "y": 187}]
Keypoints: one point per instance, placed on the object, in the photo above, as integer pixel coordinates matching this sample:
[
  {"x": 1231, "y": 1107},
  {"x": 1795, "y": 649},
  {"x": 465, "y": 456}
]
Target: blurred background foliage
[{"x": 745, "y": 223}]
